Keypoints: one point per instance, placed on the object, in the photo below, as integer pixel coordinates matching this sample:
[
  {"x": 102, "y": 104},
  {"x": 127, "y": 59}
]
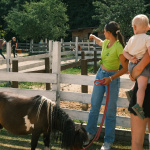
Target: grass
[
  {"x": 9, "y": 141},
  {"x": 12, "y": 142},
  {"x": 77, "y": 70}
]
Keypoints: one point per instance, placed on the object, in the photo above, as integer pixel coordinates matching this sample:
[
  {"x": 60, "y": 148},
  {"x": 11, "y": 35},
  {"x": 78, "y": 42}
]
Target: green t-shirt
[{"x": 110, "y": 56}]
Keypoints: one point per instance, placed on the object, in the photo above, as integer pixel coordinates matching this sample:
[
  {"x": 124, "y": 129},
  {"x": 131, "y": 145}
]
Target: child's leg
[
  {"x": 149, "y": 132},
  {"x": 129, "y": 93},
  {"x": 142, "y": 84}
]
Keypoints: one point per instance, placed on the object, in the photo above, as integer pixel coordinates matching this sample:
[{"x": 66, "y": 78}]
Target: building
[{"x": 83, "y": 33}]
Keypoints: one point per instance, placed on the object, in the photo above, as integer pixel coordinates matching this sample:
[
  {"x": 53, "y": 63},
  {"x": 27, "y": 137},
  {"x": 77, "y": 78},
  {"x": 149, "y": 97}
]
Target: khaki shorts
[{"x": 145, "y": 72}]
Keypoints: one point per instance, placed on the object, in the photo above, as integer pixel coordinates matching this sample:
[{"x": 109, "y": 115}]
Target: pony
[{"x": 38, "y": 115}]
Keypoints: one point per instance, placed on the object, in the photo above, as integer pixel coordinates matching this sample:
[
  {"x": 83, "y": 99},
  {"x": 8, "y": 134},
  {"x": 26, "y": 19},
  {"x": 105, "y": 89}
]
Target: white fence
[
  {"x": 56, "y": 78},
  {"x": 30, "y": 62}
]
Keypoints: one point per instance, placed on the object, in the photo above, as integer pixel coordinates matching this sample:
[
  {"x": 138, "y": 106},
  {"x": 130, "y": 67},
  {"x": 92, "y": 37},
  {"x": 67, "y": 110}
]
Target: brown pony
[{"x": 38, "y": 115}]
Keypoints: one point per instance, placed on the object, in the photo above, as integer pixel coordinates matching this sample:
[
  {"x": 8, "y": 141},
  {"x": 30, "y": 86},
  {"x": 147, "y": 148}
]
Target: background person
[
  {"x": 2, "y": 42},
  {"x": 112, "y": 56},
  {"x": 14, "y": 46}
]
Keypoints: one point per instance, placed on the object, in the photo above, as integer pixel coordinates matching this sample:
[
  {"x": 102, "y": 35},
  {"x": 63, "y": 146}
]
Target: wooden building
[{"x": 83, "y": 33}]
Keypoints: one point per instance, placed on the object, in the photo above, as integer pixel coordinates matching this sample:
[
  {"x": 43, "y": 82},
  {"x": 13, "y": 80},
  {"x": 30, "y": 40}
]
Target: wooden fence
[
  {"x": 56, "y": 78},
  {"x": 67, "y": 79}
]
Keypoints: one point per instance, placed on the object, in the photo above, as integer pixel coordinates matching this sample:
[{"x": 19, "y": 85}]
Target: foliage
[
  {"x": 121, "y": 11},
  {"x": 80, "y": 13},
  {"x": 39, "y": 20},
  {"x": 2, "y": 32}
]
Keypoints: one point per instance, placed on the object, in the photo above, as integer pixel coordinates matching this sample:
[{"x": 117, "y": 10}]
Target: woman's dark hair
[{"x": 114, "y": 28}]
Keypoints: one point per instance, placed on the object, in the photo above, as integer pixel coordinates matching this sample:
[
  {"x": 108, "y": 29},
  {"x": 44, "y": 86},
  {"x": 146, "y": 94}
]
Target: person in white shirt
[{"x": 135, "y": 49}]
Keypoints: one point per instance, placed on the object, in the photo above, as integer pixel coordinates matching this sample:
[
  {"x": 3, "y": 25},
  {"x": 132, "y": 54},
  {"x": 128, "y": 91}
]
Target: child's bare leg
[
  {"x": 142, "y": 84},
  {"x": 149, "y": 131},
  {"x": 141, "y": 65}
]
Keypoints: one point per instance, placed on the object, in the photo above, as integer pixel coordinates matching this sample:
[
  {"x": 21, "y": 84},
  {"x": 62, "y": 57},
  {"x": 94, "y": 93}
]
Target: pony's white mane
[{"x": 51, "y": 104}]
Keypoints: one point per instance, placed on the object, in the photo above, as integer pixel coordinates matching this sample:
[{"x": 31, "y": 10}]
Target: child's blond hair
[
  {"x": 141, "y": 20},
  {"x": 13, "y": 38}
]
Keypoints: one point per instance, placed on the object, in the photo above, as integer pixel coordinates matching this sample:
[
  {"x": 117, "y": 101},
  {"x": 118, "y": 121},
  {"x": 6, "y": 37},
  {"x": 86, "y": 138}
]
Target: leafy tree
[
  {"x": 121, "y": 11},
  {"x": 38, "y": 20},
  {"x": 80, "y": 13}
]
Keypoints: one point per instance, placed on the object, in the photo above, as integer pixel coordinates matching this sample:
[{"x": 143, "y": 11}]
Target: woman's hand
[
  {"x": 107, "y": 80},
  {"x": 131, "y": 78},
  {"x": 91, "y": 37}
]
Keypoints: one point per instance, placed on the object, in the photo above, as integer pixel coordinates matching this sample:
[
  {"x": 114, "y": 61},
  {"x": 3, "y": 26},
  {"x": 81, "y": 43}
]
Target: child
[
  {"x": 14, "y": 46},
  {"x": 135, "y": 49}
]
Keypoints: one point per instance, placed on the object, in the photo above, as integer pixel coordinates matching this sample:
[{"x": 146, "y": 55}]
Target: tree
[
  {"x": 38, "y": 20},
  {"x": 121, "y": 11},
  {"x": 80, "y": 13}
]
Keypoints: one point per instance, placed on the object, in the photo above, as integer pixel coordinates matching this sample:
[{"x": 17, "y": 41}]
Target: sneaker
[
  {"x": 129, "y": 94},
  {"x": 90, "y": 138},
  {"x": 139, "y": 111},
  {"x": 106, "y": 146}
]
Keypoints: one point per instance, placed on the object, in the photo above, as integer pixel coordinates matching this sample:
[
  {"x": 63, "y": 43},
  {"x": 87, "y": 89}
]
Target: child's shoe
[
  {"x": 129, "y": 94},
  {"x": 139, "y": 111}
]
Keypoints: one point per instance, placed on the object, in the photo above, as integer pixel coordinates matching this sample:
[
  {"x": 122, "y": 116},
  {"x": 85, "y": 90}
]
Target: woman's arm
[
  {"x": 98, "y": 40},
  {"x": 137, "y": 70},
  {"x": 122, "y": 71},
  {"x": 133, "y": 59}
]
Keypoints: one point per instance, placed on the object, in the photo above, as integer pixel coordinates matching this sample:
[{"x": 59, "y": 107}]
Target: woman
[
  {"x": 112, "y": 56},
  {"x": 138, "y": 126}
]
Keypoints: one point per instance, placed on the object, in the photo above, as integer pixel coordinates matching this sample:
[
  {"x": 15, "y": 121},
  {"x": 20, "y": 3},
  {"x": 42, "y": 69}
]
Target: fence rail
[{"x": 56, "y": 78}]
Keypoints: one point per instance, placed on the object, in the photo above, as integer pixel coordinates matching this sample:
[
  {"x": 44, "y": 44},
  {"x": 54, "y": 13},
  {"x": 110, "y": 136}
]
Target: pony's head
[
  {"x": 80, "y": 137},
  {"x": 74, "y": 136}
]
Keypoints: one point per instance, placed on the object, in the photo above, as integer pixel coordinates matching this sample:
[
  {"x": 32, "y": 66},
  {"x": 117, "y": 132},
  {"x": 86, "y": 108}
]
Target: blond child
[{"x": 135, "y": 49}]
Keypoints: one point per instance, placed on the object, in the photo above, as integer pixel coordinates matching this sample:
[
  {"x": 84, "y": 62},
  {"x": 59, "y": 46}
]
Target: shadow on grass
[{"x": 9, "y": 141}]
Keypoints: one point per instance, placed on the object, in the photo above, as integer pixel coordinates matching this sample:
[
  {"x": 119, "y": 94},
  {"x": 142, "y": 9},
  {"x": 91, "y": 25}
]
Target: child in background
[
  {"x": 14, "y": 46},
  {"x": 135, "y": 49}
]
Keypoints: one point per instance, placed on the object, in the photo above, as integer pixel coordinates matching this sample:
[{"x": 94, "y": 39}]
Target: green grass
[
  {"x": 77, "y": 70},
  {"x": 12, "y": 142},
  {"x": 23, "y": 85}
]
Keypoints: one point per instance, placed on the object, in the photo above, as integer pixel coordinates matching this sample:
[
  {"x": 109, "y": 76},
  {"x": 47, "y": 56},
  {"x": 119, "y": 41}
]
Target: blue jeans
[
  {"x": 2, "y": 53},
  {"x": 96, "y": 101}
]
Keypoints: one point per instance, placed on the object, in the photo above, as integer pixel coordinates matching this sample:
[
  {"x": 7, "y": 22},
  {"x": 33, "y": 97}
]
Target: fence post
[
  {"x": 47, "y": 70},
  {"x": 76, "y": 46},
  {"x": 31, "y": 46},
  {"x": 62, "y": 45},
  {"x": 50, "y": 52},
  {"x": 82, "y": 55},
  {"x": 95, "y": 61},
  {"x": 8, "y": 52},
  {"x": 84, "y": 88},
  {"x": 56, "y": 67},
  {"x": 46, "y": 45},
  {"x": 15, "y": 69},
  {"x": 88, "y": 45},
  {"x": 94, "y": 48}
]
